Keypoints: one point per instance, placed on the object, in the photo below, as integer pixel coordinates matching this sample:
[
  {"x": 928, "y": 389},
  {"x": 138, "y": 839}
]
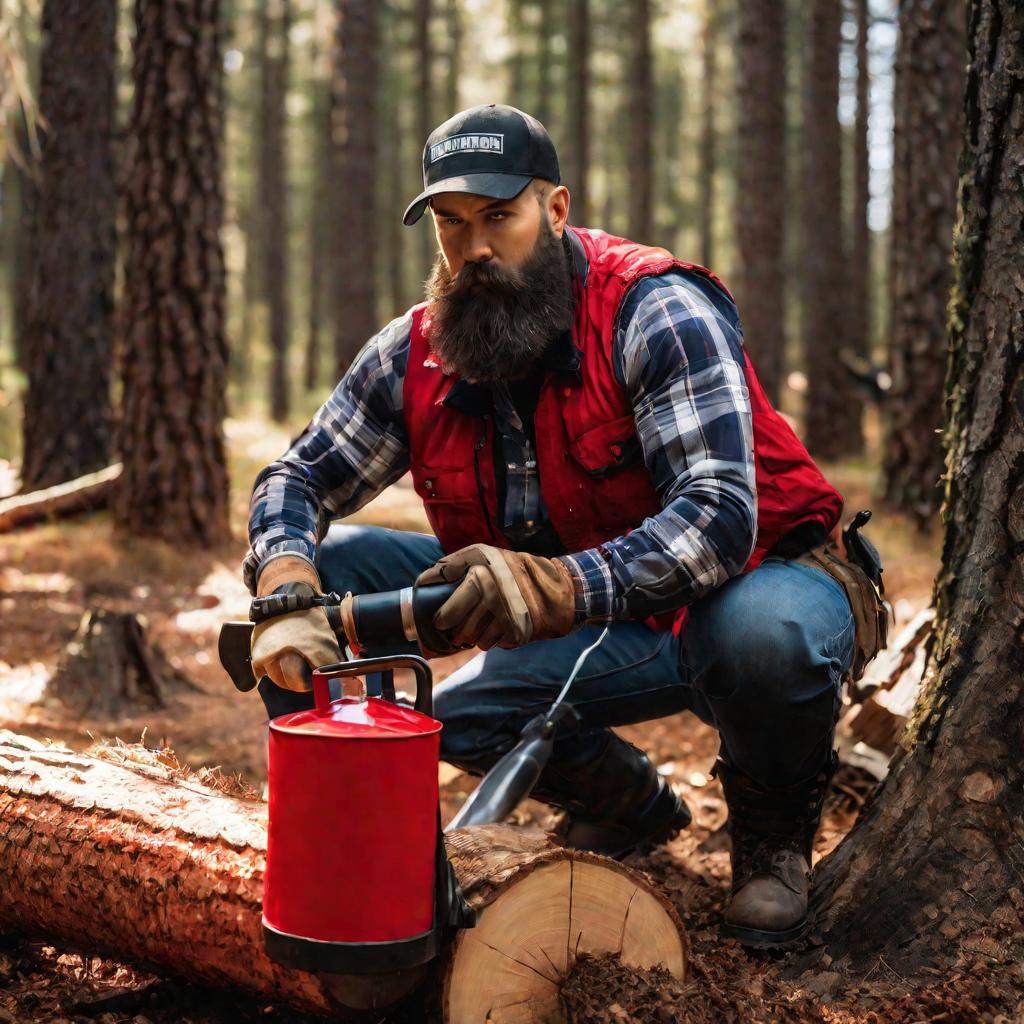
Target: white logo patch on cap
[{"x": 455, "y": 144}]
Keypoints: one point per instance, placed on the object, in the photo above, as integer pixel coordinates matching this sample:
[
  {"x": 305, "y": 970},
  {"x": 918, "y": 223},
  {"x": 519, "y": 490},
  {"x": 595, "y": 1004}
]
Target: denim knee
[{"x": 345, "y": 555}]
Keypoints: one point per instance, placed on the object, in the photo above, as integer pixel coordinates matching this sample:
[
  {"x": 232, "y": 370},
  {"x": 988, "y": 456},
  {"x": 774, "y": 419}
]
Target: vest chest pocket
[
  {"x": 617, "y": 487},
  {"x": 606, "y": 450},
  {"x": 452, "y": 502},
  {"x": 445, "y": 484}
]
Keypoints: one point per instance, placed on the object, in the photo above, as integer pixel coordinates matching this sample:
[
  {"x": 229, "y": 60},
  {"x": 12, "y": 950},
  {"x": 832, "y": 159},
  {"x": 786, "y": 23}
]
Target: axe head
[{"x": 234, "y": 650}]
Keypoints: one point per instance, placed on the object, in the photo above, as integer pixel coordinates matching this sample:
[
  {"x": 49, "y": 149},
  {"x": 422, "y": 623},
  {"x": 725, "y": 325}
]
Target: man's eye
[
  {"x": 499, "y": 215},
  {"x": 452, "y": 221}
]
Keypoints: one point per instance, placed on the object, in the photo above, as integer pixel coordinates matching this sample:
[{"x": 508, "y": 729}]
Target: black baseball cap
[{"x": 493, "y": 151}]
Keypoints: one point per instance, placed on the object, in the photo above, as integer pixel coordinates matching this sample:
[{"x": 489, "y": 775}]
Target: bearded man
[{"x": 592, "y": 447}]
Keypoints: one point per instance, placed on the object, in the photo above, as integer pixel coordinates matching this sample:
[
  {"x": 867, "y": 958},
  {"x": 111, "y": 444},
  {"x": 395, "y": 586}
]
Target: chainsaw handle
[{"x": 424, "y": 702}]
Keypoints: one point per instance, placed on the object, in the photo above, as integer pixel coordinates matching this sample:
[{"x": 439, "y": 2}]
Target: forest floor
[{"x": 51, "y": 574}]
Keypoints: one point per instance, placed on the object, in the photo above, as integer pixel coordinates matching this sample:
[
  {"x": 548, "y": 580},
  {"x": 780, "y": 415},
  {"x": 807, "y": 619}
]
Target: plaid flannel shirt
[{"x": 678, "y": 356}]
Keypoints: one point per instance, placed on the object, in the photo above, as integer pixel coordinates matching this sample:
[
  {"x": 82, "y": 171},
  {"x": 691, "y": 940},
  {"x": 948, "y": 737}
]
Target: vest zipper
[{"x": 480, "y": 481}]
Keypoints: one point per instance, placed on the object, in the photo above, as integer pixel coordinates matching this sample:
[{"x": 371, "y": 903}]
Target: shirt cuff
[
  {"x": 593, "y": 585},
  {"x": 291, "y": 549}
]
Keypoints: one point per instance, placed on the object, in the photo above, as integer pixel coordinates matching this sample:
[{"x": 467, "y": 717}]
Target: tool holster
[{"x": 860, "y": 575}]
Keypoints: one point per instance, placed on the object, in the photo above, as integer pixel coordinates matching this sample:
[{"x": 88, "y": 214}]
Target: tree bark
[
  {"x": 545, "y": 61},
  {"x": 320, "y": 123},
  {"x": 672, "y": 211},
  {"x": 355, "y": 124},
  {"x": 424, "y": 120},
  {"x": 516, "y": 60},
  {"x": 641, "y": 118},
  {"x": 833, "y": 409},
  {"x": 454, "y": 17},
  {"x": 171, "y": 441},
  {"x": 578, "y": 162},
  {"x": 706, "y": 174},
  {"x": 928, "y": 117},
  {"x": 123, "y": 853},
  {"x": 69, "y": 333},
  {"x": 936, "y": 862},
  {"x": 761, "y": 187},
  {"x": 275, "y": 18},
  {"x": 859, "y": 320}
]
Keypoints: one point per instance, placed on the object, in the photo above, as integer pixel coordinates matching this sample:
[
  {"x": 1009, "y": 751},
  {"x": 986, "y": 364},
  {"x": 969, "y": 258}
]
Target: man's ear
[{"x": 558, "y": 209}]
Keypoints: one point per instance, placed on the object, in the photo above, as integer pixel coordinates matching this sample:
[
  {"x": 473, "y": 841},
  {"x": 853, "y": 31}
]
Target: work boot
[
  {"x": 615, "y": 803},
  {"x": 772, "y": 830}
]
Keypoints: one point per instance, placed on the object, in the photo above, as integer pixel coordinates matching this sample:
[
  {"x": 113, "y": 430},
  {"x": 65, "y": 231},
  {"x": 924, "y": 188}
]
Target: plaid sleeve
[
  {"x": 679, "y": 356},
  {"x": 352, "y": 449}
]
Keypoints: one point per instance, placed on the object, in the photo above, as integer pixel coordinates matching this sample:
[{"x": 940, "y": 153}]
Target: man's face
[
  {"x": 475, "y": 229},
  {"x": 500, "y": 289}
]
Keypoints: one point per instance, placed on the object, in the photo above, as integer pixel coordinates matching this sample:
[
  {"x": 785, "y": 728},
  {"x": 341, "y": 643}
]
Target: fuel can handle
[{"x": 424, "y": 700}]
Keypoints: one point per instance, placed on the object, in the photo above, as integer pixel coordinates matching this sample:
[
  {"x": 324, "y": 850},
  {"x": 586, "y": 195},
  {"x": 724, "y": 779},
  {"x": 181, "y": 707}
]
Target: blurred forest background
[{"x": 805, "y": 151}]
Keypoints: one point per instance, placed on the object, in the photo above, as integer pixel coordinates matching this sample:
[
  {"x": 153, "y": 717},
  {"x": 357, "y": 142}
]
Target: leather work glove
[
  {"x": 506, "y": 598},
  {"x": 287, "y": 646}
]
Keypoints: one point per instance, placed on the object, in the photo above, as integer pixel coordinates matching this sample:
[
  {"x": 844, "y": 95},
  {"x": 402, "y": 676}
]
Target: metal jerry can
[{"x": 357, "y": 880}]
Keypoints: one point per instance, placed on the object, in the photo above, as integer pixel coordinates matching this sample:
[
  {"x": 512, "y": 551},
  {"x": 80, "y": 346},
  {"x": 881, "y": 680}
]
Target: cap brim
[{"x": 492, "y": 185}]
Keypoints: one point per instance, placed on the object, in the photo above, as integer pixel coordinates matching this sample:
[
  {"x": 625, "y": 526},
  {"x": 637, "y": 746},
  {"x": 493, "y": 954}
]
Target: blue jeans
[{"x": 760, "y": 659}]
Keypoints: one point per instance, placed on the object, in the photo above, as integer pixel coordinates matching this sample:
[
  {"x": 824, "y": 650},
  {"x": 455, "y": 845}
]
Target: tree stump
[
  {"x": 129, "y": 856},
  {"x": 109, "y": 664},
  {"x": 539, "y": 907}
]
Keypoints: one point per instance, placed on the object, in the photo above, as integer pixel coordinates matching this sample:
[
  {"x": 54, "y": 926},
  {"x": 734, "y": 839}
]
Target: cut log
[
  {"x": 110, "y": 666},
  {"x": 540, "y": 906},
  {"x": 123, "y": 853},
  {"x": 83, "y": 494}
]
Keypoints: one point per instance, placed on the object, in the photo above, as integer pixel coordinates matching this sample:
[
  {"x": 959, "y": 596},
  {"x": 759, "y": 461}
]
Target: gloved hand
[
  {"x": 506, "y": 598},
  {"x": 283, "y": 647}
]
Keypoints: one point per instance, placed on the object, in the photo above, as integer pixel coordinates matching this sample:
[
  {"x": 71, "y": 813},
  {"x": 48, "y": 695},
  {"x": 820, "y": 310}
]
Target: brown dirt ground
[{"x": 50, "y": 574}]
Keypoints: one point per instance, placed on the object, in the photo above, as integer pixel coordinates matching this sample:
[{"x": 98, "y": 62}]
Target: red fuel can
[{"x": 354, "y": 855}]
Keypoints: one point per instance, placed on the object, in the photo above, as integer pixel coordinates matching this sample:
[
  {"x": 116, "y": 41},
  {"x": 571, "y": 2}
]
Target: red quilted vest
[{"x": 593, "y": 490}]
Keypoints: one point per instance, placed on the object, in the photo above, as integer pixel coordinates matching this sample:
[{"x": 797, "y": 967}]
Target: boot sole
[{"x": 760, "y": 939}]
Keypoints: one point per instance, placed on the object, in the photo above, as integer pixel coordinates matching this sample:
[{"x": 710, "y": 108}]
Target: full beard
[{"x": 491, "y": 323}]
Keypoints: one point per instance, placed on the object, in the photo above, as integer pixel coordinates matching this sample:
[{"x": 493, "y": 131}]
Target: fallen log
[
  {"x": 128, "y": 855},
  {"x": 79, "y": 495}
]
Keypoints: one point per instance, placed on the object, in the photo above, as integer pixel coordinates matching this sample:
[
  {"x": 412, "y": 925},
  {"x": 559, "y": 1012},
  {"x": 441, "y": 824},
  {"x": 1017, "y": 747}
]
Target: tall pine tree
[
  {"x": 175, "y": 482},
  {"x": 68, "y": 339}
]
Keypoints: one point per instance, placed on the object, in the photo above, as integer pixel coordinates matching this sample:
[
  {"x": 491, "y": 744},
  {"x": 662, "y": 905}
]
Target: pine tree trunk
[
  {"x": 641, "y": 118},
  {"x": 454, "y": 16},
  {"x": 171, "y": 439},
  {"x": 833, "y": 410},
  {"x": 355, "y": 125},
  {"x": 516, "y": 60},
  {"x": 578, "y": 162},
  {"x": 928, "y": 113},
  {"x": 424, "y": 120},
  {"x": 23, "y": 197},
  {"x": 936, "y": 861},
  {"x": 68, "y": 338},
  {"x": 274, "y": 23},
  {"x": 761, "y": 187},
  {"x": 320, "y": 123},
  {"x": 671, "y": 212},
  {"x": 545, "y": 60},
  {"x": 706, "y": 174},
  {"x": 859, "y": 320}
]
